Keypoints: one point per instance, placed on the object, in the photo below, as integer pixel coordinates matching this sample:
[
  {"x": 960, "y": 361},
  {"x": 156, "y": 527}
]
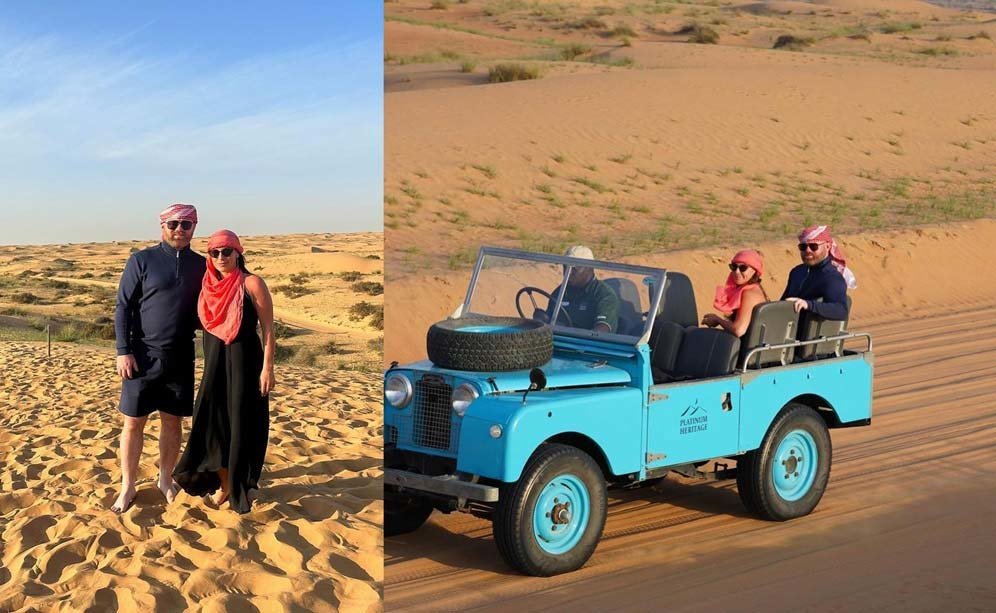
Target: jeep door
[{"x": 692, "y": 421}]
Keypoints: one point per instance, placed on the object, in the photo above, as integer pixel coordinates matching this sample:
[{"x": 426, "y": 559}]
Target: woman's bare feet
[
  {"x": 125, "y": 498},
  {"x": 220, "y": 497}
]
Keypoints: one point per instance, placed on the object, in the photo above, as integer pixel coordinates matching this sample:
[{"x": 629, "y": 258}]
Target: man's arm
[
  {"x": 834, "y": 305},
  {"x": 129, "y": 289}
]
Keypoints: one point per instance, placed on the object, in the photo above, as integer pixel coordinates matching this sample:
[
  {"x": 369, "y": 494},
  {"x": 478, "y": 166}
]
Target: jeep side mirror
[{"x": 537, "y": 381}]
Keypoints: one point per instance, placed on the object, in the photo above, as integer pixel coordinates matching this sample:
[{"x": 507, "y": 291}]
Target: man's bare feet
[
  {"x": 170, "y": 489},
  {"x": 125, "y": 498}
]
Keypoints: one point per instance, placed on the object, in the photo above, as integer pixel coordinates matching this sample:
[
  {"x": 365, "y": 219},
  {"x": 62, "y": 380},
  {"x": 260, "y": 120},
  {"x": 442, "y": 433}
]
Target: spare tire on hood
[{"x": 481, "y": 343}]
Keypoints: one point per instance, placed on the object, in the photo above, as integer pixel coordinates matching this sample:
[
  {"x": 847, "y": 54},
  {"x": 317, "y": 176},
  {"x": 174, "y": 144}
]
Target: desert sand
[
  {"x": 313, "y": 540},
  {"x": 876, "y": 119}
]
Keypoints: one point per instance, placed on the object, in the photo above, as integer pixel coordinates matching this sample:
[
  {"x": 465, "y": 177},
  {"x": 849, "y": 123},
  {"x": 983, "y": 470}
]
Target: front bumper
[{"x": 447, "y": 485}]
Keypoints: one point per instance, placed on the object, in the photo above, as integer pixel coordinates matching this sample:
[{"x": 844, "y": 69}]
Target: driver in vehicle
[{"x": 589, "y": 303}]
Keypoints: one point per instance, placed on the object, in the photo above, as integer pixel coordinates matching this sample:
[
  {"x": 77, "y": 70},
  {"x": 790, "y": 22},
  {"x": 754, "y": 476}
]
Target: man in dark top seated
[
  {"x": 590, "y": 303},
  {"x": 822, "y": 275}
]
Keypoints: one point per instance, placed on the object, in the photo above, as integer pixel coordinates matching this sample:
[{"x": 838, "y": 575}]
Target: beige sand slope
[
  {"x": 313, "y": 541},
  {"x": 906, "y": 523}
]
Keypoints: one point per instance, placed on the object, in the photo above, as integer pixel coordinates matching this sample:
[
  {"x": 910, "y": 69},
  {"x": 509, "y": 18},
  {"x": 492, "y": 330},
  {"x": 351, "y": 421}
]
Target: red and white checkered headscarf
[
  {"x": 178, "y": 212},
  {"x": 821, "y": 234}
]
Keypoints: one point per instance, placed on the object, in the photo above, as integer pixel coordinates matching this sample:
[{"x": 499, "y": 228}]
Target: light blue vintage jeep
[{"x": 528, "y": 423}]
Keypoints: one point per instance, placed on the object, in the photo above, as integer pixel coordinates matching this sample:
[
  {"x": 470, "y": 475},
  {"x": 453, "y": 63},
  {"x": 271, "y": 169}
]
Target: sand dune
[
  {"x": 904, "y": 525},
  {"x": 312, "y": 542}
]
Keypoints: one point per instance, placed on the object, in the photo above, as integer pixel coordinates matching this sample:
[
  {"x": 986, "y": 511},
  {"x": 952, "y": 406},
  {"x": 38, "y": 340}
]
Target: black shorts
[{"x": 165, "y": 382}]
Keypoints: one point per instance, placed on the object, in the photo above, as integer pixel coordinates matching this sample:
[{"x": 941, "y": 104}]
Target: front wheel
[
  {"x": 786, "y": 476},
  {"x": 550, "y": 520},
  {"x": 403, "y": 513}
]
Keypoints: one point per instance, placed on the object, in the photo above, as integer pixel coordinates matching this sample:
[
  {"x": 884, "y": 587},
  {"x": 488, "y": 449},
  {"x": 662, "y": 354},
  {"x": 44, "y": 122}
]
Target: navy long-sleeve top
[
  {"x": 157, "y": 300},
  {"x": 820, "y": 281}
]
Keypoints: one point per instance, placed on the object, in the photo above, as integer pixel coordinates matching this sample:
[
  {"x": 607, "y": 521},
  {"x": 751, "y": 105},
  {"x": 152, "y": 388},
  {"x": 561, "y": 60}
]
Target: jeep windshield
[{"x": 584, "y": 298}]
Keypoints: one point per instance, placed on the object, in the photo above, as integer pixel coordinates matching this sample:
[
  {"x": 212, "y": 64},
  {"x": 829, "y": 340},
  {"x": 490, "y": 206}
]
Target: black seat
[
  {"x": 678, "y": 301},
  {"x": 812, "y": 326},
  {"x": 771, "y": 323},
  {"x": 630, "y": 312},
  {"x": 704, "y": 352},
  {"x": 665, "y": 342}
]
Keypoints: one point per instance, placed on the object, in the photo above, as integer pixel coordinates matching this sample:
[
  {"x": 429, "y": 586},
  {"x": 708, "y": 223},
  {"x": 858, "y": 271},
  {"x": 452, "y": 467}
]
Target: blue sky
[{"x": 268, "y": 116}]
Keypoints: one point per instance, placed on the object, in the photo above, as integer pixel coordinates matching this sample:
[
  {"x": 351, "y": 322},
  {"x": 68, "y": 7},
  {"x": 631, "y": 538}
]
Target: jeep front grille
[{"x": 433, "y": 412}]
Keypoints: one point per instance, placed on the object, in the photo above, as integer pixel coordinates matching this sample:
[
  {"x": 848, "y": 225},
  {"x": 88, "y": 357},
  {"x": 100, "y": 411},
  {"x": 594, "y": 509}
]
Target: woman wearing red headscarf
[
  {"x": 742, "y": 291},
  {"x": 227, "y": 443}
]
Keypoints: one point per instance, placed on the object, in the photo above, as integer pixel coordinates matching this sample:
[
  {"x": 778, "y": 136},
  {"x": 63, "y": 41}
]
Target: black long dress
[{"x": 231, "y": 418}]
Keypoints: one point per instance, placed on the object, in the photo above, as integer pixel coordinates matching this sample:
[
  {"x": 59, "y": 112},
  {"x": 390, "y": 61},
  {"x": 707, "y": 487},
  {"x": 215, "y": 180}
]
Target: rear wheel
[
  {"x": 403, "y": 513},
  {"x": 550, "y": 520},
  {"x": 786, "y": 476}
]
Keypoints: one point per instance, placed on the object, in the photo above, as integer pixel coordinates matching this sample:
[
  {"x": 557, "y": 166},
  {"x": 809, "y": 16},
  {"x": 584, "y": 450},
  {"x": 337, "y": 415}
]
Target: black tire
[
  {"x": 403, "y": 513},
  {"x": 522, "y": 344},
  {"x": 755, "y": 478},
  {"x": 513, "y": 519}
]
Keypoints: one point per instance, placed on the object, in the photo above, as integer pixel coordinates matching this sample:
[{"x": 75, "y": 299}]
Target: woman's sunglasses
[
  {"x": 741, "y": 267},
  {"x": 186, "y": 224},
  {"x": 214, "y": 253},
  {"x": 811, "y": 246}
]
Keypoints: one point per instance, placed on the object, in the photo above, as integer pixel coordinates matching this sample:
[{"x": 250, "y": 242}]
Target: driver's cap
[{"x": 579, "y": 251}]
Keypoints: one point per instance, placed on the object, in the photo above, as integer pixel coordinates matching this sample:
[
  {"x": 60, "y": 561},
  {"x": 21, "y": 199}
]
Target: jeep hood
[{"x": 559, "y": 373}]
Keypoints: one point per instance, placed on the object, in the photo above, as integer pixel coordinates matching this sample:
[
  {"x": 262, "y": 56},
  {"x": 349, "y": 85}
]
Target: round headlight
[
  {"x": 398, "y": 391},
  {"x": 495, "y": 431},
  {"x": 463, "y": 395}
]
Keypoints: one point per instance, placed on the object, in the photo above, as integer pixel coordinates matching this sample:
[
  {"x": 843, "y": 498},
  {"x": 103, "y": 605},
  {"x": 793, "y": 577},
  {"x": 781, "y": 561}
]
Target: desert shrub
[
  {"x": 894, "y": 27},
  {"x": 376, "y": 344},
  {"x": 361, "y": 310},
  {"x": 86, "y": 275},
  {"x": 372, "y": 288},
  {"x": 56, "y": 284},
  {"x": 25, "y": 298},
  {"x": 704, "y": 35},
  {"x": 792, "y": 42},
  {"x": 333, "y": 348},
  {"x": 980, "y": 34},
  {"x": 282, "y": 330},
  {"x": 440, "y": 5},
  {"x": 623, "y": 30},
  {"x": 503, "y": 73},
  {"x": 350, "y": 275},
  {"x": 372, "y": 256},
  {"x": 573, "y": 50},
  {"x": 468, "y": 66},
  {"x": 283, "y": 353},
  {"x": 299, "y": 279},
  {"x": 587, "y": 23},
  {"x": 293, "y": 291},
  {"x": 937, "y": 51}
]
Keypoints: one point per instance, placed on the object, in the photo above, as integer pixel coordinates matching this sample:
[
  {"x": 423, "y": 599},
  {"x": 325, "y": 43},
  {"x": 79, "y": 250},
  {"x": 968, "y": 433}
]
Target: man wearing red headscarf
[
  {"x": 819, "y": 285},
  {"x": 154, "y": 322}
]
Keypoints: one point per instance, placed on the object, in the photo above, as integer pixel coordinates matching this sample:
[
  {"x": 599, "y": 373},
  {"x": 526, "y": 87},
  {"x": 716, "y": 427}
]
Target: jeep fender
[{"x": 612, "y": 417}]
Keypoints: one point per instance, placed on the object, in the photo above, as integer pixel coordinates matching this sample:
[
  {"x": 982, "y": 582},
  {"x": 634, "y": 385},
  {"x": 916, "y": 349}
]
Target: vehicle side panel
[
  {"x": 845, "y": 383},
  {"x": 610, "y": 416},
  {"x": 690, "y": 421}
]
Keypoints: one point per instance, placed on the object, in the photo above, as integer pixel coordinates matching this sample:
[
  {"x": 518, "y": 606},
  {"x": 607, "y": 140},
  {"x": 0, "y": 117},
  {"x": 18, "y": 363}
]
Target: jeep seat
[
  {"x": 812, "y": 326},
  {"x": 771, "y": 323},
  {"x": 665, "y": 341},
  {"x": 630, "y": 312},
  {"x": 704, "y": 352},
  {"x": 678, "y": 301}
]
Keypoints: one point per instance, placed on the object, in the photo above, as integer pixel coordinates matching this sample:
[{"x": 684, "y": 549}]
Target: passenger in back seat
[
  {"x": 822, "y": 274},
  {"x": 742, "y": 291}
]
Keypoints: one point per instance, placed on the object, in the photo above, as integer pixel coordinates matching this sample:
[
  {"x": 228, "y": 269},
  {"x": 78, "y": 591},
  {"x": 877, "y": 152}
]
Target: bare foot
[
  {"x": 169, "y": 490},
  {"x": 219, "y": 498},
  {"x": 125, "y": 498}
]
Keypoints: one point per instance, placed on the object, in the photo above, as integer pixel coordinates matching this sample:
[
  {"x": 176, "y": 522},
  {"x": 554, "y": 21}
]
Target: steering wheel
[{"x": 529, "y": 291}]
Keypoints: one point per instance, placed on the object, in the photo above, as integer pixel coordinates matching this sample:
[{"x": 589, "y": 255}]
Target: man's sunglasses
[
  {"x": 741, "y": 267},
  {"x": 186, "y": 224},
  {"x": 811, "y": 246},
  {"x": 225, "y": 252}
]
